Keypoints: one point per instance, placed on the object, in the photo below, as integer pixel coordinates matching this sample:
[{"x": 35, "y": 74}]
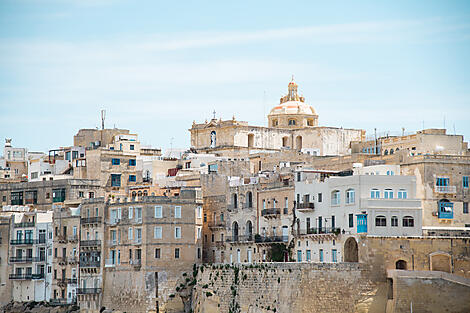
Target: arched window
[
  {"x": 235, "y": 200},
  {"x": 400, "y": 265},
  {"x": 380, "y": 221},
  {"x": 249, "y": 199},
  {"x": 274, "y": 123},
  {"x": 213, "y": 139},
  {"x": 388, "y": 194},
  {"x": 391, "y": 151},
  {"x": 335, "y": 197},
  {"x": 375, "y": 193},
  {"x": 134, "y": 194},
  {"x": 139, "y": 194},
  {"x": 310, "y": 122},
  {"x": 386, "y": 152},
  {"x": 292, "y": 122},
  {"x": 394, "y": 221},
  {"x": 298, "y": 143},
  {"x": 408, "y": 221},
  {"x": 350, "y": 196},
  {"x": 285, "y": 141},
  {"x": 235, "y": 231},
  {"x": 249, "y": 230},
  {"x": 402, "y": 194},
  {"x": 145, "y": 193}
]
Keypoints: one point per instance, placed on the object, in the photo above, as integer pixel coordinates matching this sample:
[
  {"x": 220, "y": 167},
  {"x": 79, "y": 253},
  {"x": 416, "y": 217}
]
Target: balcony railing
[
  {"x": 90, "y": 243},
  {"x": 64, "y": 281},
  {"x": 23, "y": 241},
  {"x": 446, "y": 210},
  {"x": 24, "y": 259},
  {"x": 72, "y": 238},
  {"x": 248, "y": 238},
  {"x": 323, "y": 230},
  {"x": 137, "y": 241},
  {"x": 136, "y": 262},
  {"x": 26, "y": 276},
  {"x": 110, "y": 263},
  {"x": 214, "y": 225},
  {"x": 24, "y": 224},
  {"x": 268, "y": 239},
  {"x": 137, "y": 221},
  {"x": 59, "y": 301},
  {"x": 270, "y": 212},
  {"x": 91, "y": 220},
  {"x": 89, "y": 264},
  {"x": 445, "y": 189},
  {"x": 88, "y": 291},
  {"x": 306, "y": 206},
  {"x": 72, "y": 259}
]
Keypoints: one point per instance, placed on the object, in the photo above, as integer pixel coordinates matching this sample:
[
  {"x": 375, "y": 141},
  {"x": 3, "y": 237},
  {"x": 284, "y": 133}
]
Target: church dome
[{"x": 292, "y": 103}]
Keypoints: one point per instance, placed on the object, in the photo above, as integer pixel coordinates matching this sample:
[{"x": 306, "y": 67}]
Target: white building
[{"x": 31, "y": 256}]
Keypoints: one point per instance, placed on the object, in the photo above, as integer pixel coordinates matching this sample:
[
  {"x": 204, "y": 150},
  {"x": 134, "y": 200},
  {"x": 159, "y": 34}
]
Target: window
[
  {"x": 158, "y": 211},
  {"x": 402, "y": 194},
  {"x": 380, "y": 221},
  {"x": 465, "y": 208},
  {"x": 291, "y": 122},
  {"x": 335, "y": 197},
  {"x": 309, "y": 255},
  {"x": 408, "y": 221},
  {"x": 130, "y": 212},
  {"x": 131, "y": 147},
  {"x": 299, "y": 255},
  {"x": 129, "y": 234},
  {"x": 334, "y": 255},
  {"x": 132, "y": 162},
  {"x": 351, "y": 220},
  {"x": 132, "y": 178},
  {"x": 157, "y": 253},
  {"x": 442, "y": 181},
  {"x": 388, "y": 194},
  {"x": 375, "y": 194},
  {"x": 177, "y": 253},
  {"x": 394, "y": 221},
  {"x": 58, "y": 195},
  {"x": 157, "y": 232},
  {"x": 465, "y": 182},
  {"x": 320, "y": 253},
  {"x": 115, "y": 180},
  {"x": 177, "y": 232},
  {"x": 177, "y": 212},
  {"x": 115, "y": 161},
  {"x": 350, "y": 196},
  {"x": 199, "y": 212},
  {"x": 320, "y": 197},
  {"x": 138, "y": 234}
]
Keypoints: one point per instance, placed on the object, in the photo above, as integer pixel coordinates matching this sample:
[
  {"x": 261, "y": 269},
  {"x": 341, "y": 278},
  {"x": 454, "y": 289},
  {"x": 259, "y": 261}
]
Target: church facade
[{"x": 292, "y": 125}]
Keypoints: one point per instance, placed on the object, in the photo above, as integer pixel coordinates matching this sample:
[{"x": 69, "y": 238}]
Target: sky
[{"x": 157, "y": 66}]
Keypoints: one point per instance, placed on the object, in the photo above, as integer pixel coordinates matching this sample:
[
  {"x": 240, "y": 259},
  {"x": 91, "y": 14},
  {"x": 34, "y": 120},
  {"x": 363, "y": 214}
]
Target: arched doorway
[
  {"x": 350, "y": 250},
  {"x": 251, "y": 140},
  {"x": 400, "y": 265},
  {"x": 298, "y": 143},
  {"x": 249, "y": 199},
  {"x": 235, "y": 231},
  {"x": 440, "y": 261},
  {"x": 249, "y": 230}
]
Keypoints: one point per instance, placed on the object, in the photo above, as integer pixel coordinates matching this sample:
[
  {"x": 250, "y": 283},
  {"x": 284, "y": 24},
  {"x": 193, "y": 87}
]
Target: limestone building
[{"x": 293, "y": 124}]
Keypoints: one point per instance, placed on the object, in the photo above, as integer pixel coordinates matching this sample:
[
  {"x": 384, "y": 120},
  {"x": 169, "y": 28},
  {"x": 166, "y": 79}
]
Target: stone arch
[
  {"x": 351, "y": 250},
  {"x": 235, "y": 231},
  {"x": 440, "y": 261},
  {"x": 386, "y": 152},
  {"x": 235, "y": 200},
  {"x": 401, "y": 265},
  {"x": 251, "y": 140},
  {"x": 249, "y": 229},
  {"x": 298, "y": 143},
  {"x": 249, "y": 199}
]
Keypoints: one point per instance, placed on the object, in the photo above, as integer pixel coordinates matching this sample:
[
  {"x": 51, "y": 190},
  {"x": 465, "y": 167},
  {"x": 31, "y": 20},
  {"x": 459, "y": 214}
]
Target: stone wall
[{"x": 288, "y": 287}]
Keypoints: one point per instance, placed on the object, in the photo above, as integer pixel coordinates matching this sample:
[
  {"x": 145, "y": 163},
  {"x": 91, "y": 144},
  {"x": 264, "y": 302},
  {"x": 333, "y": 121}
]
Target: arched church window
[{"x": 213, "y": 139}]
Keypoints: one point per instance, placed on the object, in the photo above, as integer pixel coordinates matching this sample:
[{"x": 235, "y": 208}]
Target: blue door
[{"x": 362, "y": 223}]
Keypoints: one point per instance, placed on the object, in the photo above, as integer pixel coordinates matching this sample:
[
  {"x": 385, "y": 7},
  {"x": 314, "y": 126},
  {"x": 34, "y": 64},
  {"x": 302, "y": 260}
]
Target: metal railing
[
  {"x": 216, "y": 224},
  {"x": 306, "y": 206},
  {"x": 323, "y": 230},
  {"x": 267, "y": 239},
  {"x": 91, "y": 220},
  {"x": 72, "y": 259},
  {"x": 271, "y": 211},
  {"x": 25, "y": 259},
  {"x": 247, "y": 238},
  {"x": 25, "y": 224},
  {"x": 445, "y": 189},
  {"x": 23, "y": 241},
  {"x": 88, "y": 291},
  {"x": 90, "y": 243},
  {"x": 72, "y": 238},
  {"x": 136, "y": 262},
  {"x": 90, "y": 264},
  {"x": 27, "y": 276}
]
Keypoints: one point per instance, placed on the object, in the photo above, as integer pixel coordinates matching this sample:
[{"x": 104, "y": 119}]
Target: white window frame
[
  {"x": 177, "y": 211},
  {"x": 157, "y": 232},
  {"x": 158, "y": 211},
  {"x": 130, "y": 212},
  {"x": 129, "y": 234},
  {"x": 199, "y": 212},
  {"x": 177, "y": 232}
]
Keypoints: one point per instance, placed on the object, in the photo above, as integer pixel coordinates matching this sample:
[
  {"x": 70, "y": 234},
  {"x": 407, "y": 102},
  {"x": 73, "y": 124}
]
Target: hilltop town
[{"x": 289, "y": 217}]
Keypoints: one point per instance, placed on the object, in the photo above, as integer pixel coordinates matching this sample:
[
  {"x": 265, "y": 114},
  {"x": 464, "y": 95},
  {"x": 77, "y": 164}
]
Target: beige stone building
[
  {"x": 66, "y": 227},
  {"x": 291, "y": 125}
]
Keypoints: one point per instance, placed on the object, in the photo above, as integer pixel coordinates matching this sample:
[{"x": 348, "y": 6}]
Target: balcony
[
  {"x": 137, "y": 221},
  {"x": 90, "y": 243},
  {"x": 248, "y": 238},
  {"x": 137, "y": 241},
  {"x": 137, "y": 263},
  {"x": 24, "y": 224},
  {"x": 216, "y": 225},
  {"x": 84, "y": 264},
  {"x": 91, "y": 220},
  {"x": 306, "y": 206},
  {"x": 62, "y": 260},
  {"x": 73, "y": 238},
  {"x": 114, "y": 221},
  {"x": 110, "y": 263},
  {"x": 272, "y": 212},
  {"x": 88, "y": 291},
  {"x": 23, "y": 241},
  {"x": 72, "y": 260},
  {"x": 445, "y": 189},
  {"x": 23, "y": 259},
  {"x": 323, "y": 230},
  {"x": 26, "y": 276},
  {"x": 271, "y": 239},
  {"x": 65, "y": 281},
  {"x": 59, "y": 301}
]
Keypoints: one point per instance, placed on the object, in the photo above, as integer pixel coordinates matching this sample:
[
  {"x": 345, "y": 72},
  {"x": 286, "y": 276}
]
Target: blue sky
[{"x": 156, "y": 66}]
